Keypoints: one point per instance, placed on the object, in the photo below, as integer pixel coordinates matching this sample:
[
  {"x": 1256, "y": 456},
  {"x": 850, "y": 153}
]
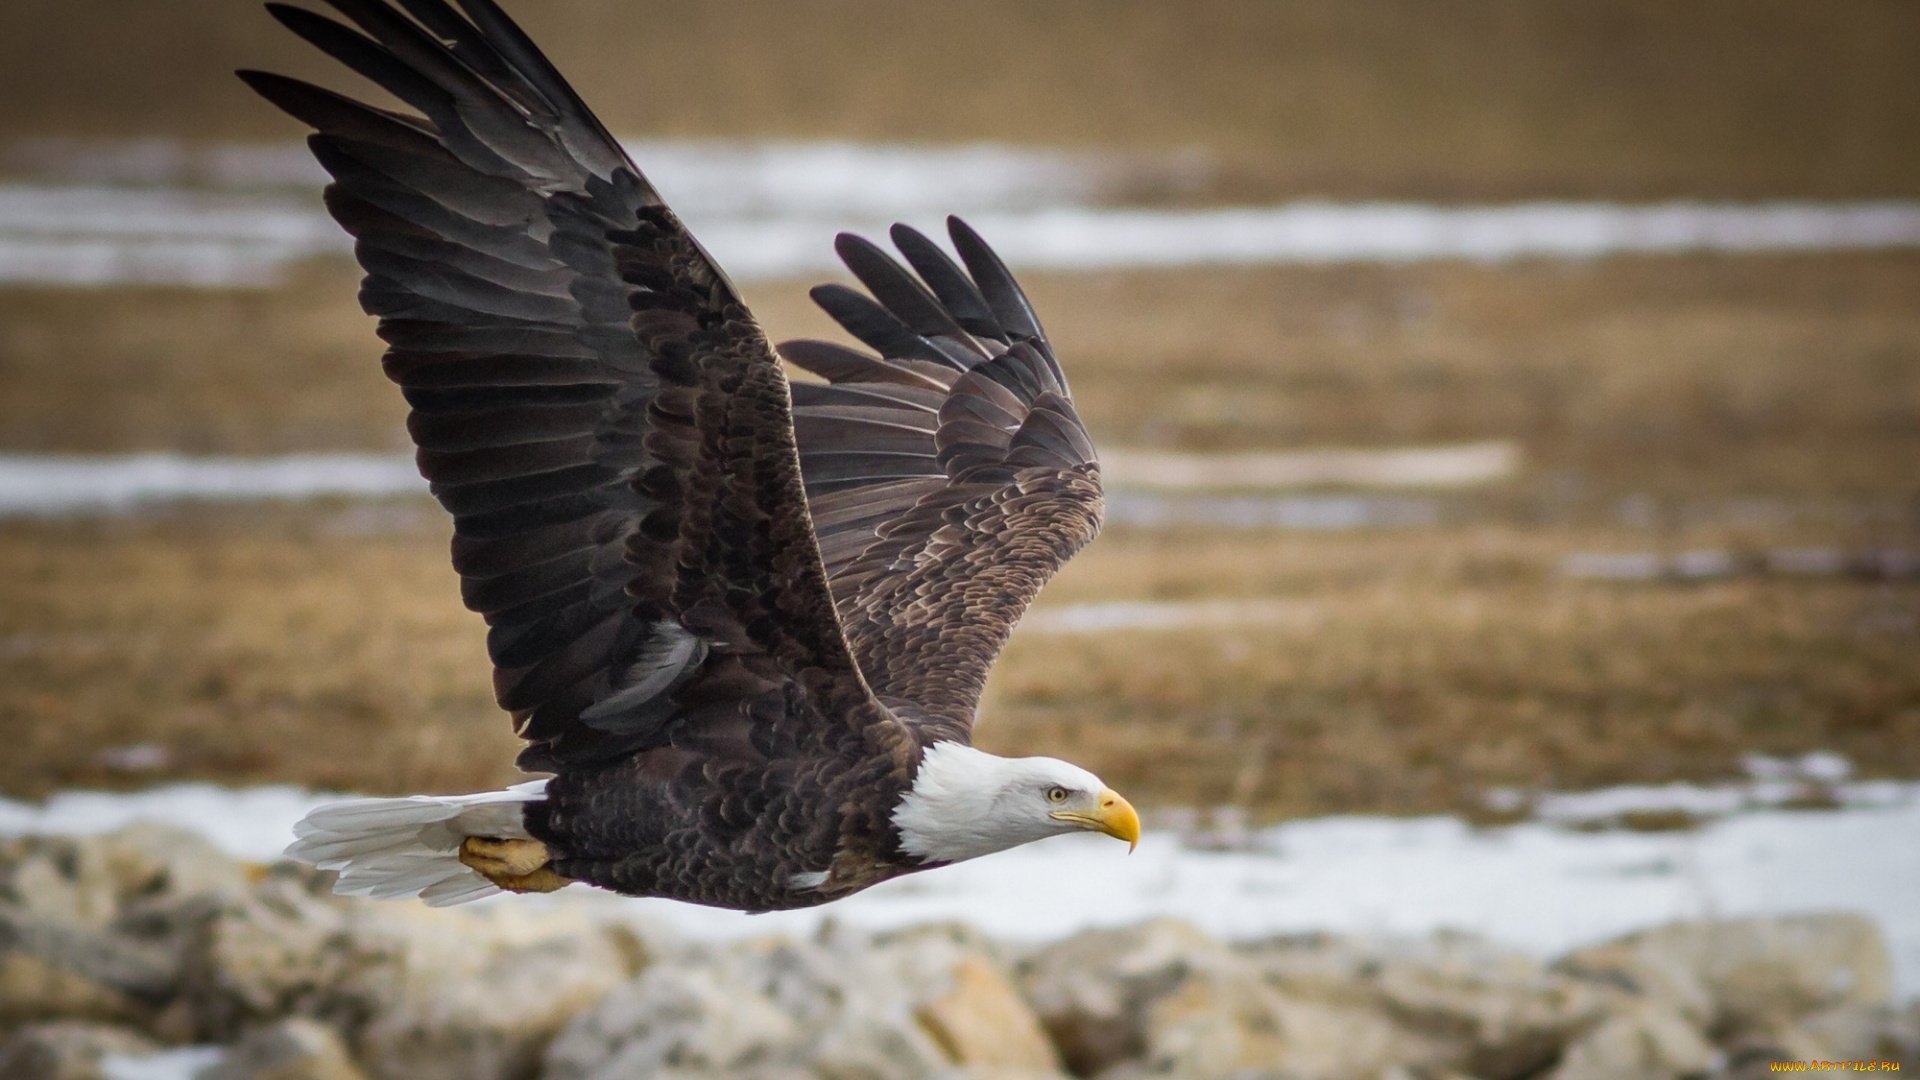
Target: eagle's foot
[{"x": 514, "y": 865}]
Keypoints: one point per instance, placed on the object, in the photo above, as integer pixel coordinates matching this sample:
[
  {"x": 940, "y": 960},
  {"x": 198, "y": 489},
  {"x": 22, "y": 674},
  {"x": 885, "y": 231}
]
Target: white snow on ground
[
  {"x": 1535, "y": 885},
  {"x": 1069, "y": 238},
  {"x": 712, "y": 177},
  {"x": 59, "y": 484},
  {"x": 179, "y": 1063},
  {"x": 101, "y": 212},
  {"x": 90, "y": 236},
  {"x": 1320, "y": 512},
  {"x": 104, "y": 236},
  {"x": 1464, "y": 465},
  {"x": 249, "y": 823},
  {"x": 1702, "y": 563},
  {"x": 1100, "y": 618},
  {"x": 56, "y": 484}
]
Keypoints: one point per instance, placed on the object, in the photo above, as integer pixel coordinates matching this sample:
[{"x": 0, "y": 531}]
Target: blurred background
[{"x": 1605, "y": 393}]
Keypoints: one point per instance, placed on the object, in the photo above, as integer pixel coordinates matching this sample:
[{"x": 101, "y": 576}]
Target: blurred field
[
  {"x": 1413, "y": 668},
  {"x": 1470, "y": 99},
  {"x": 1660, "y": 403},
  {"x": 1789, "y": 377},
  {"x": 1410, "y": 671}
]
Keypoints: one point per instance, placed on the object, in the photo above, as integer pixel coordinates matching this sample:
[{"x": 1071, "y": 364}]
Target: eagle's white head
[{"x": 966, "y": 803}]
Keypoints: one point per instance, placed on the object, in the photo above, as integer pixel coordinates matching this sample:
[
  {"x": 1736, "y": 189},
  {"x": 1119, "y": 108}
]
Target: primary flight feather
[{"x": 744, "y": 624}]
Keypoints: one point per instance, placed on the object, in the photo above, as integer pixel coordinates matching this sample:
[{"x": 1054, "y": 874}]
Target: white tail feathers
[{"x": 392, "y": 849}]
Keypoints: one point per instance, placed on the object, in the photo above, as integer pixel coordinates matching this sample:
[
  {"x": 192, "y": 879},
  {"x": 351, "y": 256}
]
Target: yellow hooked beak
[{"x": 1116, "y": 818}]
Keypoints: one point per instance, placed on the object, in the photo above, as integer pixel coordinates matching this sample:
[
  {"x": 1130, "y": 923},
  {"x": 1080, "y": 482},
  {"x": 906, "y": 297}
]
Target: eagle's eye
[{"x": 1056, "y": 794}]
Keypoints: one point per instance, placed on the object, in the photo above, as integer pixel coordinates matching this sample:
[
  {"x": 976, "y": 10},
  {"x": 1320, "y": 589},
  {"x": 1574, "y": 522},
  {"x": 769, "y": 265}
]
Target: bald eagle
[{"x": 744, "y": 624}]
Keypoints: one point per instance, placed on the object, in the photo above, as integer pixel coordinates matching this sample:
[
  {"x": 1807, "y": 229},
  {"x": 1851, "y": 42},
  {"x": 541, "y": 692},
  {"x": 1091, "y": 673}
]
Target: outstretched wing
[
  {"x": 949, "y": 476},
  {"x": 591, "y": 400}
]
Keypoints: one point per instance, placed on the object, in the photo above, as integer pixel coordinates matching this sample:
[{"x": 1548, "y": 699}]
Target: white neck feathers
[{"x": 966, "y": 803}]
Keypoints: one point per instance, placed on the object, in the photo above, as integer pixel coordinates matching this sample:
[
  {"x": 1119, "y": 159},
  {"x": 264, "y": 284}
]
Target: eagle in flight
[{"x": 743, "y": 624}]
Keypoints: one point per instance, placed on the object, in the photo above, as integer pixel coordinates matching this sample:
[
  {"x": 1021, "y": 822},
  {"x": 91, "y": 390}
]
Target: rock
[
  {"x": 1092, "y": 990},
  {"x": 1842, "y": 1033},
  {"x": 67, "y": 1050},
  {"x": 86, "y": 923},
  {"x": 1458, "y": 1001},
  {"x": 472, "y": 994},
  {"x": 418, "y": 993},
  {"x": 146, "y": 860},
  {"x": 982, "y": 1021},
  {"x": 689, "y": 1017},
  {"x": 898, "y": 1007},
  {"x": 1644, "y": 1042},
  {"x": 1221, "y": 1024},
  {"x": 290, "y": 1050},
  {"x": 280, "y": 950},
  {"x": 89, "y": 881},
  {"x": 1161, "y": 999},
  {"x": 1512, "y": 1016},
  {"x": 1654, "y": 975},
  {"x": 1754, "y": 973},
  {"x": 33, "y": 989}
]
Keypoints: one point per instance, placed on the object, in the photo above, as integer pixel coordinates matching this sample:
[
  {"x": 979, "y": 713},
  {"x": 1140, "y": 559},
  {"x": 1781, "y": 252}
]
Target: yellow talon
[{"x": 514, "y": 865}]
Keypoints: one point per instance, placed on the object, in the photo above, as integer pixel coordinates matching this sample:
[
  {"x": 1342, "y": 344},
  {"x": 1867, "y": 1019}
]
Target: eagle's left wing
[
  {"x": 949, "y": 477},
  {"x": 593, "y": 403}
]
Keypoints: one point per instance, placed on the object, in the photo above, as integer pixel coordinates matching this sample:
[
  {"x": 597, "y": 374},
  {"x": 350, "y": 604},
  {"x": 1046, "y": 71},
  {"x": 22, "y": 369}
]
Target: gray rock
[
  {"x": 147, "y": 860},
  {"x": 843, "y": 1007},
  {"x": 1651, "y": 974},
  {"x": 1742, "y": 974},
  {"x": 1841, "y": 1033},
  {"x": 89, "y": 925},
  {"x": 691, "y": 1018},
  {"x": 470, "y": 994},
  {"x": 67, "y": 1050},
  {"x": 1092, "y": 991},
  {"x": 35, "y": 987},
  {"x": 981, "y": 1021},
  {"x": 1161, "y": 999},
  {"x": 88, "y": 881},
  {"x": 289, "y": 1050},
  {"x": 1459, "y": 1001},
  {"x": 1220, "y": 1023},
  {"x": 1644, "y": 1042},
  {"x": 277, "y": 951}
]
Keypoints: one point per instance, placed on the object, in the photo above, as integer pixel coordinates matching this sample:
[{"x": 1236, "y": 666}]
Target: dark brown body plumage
[{"x": 726, "y": 613}]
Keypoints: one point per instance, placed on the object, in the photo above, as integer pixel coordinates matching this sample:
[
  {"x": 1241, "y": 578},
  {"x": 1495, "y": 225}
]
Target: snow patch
[
  {"x": 33, "y": 484},
  {"x": 1536, "y": 885},
  {"x": 179, "y": 1063},
  {"x": 1415, "y": 466},
  {"x": 769, "y": 212},
  {"x": 1169, "y": 615},
  {"x": 57, "y": 484}
]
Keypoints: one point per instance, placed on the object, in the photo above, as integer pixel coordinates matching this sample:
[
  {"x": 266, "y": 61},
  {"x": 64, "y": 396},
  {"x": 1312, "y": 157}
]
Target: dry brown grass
[
  {"x": 327, "y": 647},
  {"x": 204, "y": 371},
  {"x": 1760, "y": 375},
  {"x": 1413, "y": 671},
  {"x": 256, "y": 647},
  {"x": 1790, "y": 376},
  {"x": 1467, "y": 99}
]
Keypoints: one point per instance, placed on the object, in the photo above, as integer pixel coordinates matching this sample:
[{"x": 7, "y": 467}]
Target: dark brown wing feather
[
  {"x": 949, "y": 477},
  {"x": 590, "y": 398}
]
